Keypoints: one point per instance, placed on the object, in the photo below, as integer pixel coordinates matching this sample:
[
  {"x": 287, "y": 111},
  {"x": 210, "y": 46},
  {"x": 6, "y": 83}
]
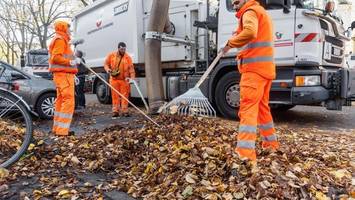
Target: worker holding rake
[{"x": 254, "y": 38}]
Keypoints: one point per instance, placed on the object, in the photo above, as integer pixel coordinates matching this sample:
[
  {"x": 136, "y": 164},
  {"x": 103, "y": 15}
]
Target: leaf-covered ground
[{"x": 189, "y": 158}]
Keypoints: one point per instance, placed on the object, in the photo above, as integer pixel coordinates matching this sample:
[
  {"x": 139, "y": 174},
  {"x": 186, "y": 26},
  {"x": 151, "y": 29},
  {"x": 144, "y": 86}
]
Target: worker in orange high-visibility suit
[
  {"x": 120, "y": 67},
  {"x": 254, "y": 37},
  {"x": 62, "y": 64}
]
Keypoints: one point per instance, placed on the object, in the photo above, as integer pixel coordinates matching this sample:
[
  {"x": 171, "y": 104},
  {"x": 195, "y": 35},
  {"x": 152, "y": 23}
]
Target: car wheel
[
  {"x": 227, "y": 95},
  {"x": 102, "y": 93},
  {"x": 45, "y": 106}
]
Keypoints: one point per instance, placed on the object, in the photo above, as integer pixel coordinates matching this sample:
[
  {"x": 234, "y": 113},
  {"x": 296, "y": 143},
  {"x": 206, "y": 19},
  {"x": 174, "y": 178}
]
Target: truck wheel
[
  {"x": 45, "y": 106},
  {"x": 101, "y": 93},
  {"x": 227, "y": 95}
]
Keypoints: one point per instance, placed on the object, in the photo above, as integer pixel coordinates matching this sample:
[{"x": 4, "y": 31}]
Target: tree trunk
[{"x": 157, "y": 21}]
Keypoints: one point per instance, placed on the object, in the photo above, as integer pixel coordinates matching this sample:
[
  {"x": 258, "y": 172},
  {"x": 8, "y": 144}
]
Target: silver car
[{"x": 39, "y": 93}]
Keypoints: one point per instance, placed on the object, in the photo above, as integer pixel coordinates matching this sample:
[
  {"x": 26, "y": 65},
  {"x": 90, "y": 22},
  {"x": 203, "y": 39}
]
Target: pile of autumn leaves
[{"x": 191, "y": 158}]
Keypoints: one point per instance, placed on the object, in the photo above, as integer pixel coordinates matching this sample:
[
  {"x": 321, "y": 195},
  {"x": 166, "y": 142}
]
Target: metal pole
[{"x": 153, "y": 71}]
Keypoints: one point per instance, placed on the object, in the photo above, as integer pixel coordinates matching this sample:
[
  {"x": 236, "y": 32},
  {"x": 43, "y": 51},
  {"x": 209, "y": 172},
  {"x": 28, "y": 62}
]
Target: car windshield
[{"x": 37, "y": 59}]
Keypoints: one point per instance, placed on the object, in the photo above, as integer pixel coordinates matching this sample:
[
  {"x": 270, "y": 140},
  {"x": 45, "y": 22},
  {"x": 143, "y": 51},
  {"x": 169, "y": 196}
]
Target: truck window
[
  {"x": 230, "y": 6},
  {"x": 37, "y": 60}
]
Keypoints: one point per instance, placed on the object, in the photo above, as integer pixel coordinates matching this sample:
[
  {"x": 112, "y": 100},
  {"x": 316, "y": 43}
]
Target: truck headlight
[{"x": 307, "y": 80}]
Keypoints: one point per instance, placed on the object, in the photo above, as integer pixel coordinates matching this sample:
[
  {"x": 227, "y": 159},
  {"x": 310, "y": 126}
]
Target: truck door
[
  {"x": 284, "y": 40},
  {"x": 283, "y": 22}
]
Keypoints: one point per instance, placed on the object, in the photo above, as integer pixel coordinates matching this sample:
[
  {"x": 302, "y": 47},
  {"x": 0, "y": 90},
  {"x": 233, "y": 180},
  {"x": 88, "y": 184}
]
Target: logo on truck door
[{"x": 122, "y": 8}]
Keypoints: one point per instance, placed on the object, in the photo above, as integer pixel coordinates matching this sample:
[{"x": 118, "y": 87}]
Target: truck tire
[
  {"x": 45, "y": 105},
  {"x": 227, "y": 95},
  {"x": 101, "y": 93}
]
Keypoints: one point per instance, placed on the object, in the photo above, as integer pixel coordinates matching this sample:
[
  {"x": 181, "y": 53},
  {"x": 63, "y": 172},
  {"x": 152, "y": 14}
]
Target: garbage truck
[{"x": 309, "y": 50}]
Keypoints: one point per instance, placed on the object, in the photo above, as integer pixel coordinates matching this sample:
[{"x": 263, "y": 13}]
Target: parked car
[{"x": 39, "y": 93}]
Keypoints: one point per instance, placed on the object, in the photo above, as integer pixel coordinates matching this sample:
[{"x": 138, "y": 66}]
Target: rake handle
[
  {"x": 210, "y": 68},
  {"x": 122, "y": 96}
]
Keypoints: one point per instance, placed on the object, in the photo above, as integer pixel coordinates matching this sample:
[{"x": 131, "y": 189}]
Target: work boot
[
  {"x": 115, "y": 115},
  {"x": 250, "y": 165},
  {"x": 269, "y": 151},
  {"x": 126, "y": 115}
]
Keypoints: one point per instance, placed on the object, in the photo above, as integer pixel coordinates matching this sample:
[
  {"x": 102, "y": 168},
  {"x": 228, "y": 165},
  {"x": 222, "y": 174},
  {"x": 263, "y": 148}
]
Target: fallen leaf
[
  {"x": 4, "y": 173},
  {"x": 188, "y": 191},
  {"x": 291, "y": 175},
  {"x": 341, "y": 173},
  {"x": 75, "y": 160},
  {"x": 321, "y": 196},
  {"x": 228, "y": 196},
  {"x": 190, "y": 178}
]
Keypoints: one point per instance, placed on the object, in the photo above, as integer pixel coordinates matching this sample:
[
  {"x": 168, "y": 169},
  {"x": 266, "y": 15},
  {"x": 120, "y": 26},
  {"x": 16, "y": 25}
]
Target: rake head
[{"x": 192, "y": 103}]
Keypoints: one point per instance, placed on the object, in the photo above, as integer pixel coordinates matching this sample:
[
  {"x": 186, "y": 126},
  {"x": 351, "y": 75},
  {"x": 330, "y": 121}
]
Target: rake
[
  {"x": 193, "y": 102},
  {"x": 122, "y": 96}
]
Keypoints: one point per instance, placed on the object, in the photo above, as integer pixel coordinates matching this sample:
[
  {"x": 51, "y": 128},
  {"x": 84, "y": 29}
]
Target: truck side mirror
[{"x": 353, "y": 25}]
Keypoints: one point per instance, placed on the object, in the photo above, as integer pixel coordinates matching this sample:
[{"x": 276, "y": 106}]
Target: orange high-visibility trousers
[
  {"x": 118, "y": 103},
  {"x": 254, "y": 113},
  {"x": 65, "y": 102}
]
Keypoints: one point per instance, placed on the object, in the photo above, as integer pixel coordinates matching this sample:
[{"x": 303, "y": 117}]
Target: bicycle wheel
[{"x": 16, "y": 128}]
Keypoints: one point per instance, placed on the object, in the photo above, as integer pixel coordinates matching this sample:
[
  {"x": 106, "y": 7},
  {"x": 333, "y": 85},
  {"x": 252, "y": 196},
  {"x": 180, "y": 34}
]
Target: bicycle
[{"x": 16, "y": 126}]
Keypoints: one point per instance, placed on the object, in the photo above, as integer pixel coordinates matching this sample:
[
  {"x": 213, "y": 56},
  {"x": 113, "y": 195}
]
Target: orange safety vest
[
  {"x": 258, "y": 55},
  {"x": 68, "y": 54},
  {"x": 125, "y": 65}
]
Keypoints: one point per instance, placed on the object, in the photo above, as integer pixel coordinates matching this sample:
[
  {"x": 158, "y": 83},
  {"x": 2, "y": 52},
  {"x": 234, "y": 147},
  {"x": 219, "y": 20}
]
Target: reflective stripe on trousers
[
  {"x": 65, "y": 102},
  {"x": 254, "y": 113}
]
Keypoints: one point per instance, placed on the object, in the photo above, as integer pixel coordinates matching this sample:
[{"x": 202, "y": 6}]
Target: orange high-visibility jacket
[
  {"x": 60, "y": 51},
  {"x": 258, "y": 55},
  {"x": 126, "y": 67}
]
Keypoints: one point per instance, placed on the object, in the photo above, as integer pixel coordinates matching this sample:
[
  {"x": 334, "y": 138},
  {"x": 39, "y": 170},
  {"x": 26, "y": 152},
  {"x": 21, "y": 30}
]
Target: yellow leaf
[
  {"x": 37, "y": 194},
  {"x": 31, "y": 147},
  {"x": 321, "y": 196},
  {"x": 183, "y": 156},
  {"x": 86, "y": 146},
  {"x": 341, "y": 173},
  {"x": 4, "y": 173},
  {"x": 185, "y": 148},
  {"x": 64, "y": 194},
  {"x": 149, "y": 168},
  {"x": 40, "y": 142},
  {"x": 33, "y": 158}
]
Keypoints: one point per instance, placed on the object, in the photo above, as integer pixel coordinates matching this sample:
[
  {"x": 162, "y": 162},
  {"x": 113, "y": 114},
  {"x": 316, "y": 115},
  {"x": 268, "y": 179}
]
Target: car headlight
[{"x": 308, "y": 80}]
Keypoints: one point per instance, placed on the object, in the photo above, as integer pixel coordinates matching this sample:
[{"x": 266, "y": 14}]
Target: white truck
[{"x": 309, "y": 45}]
